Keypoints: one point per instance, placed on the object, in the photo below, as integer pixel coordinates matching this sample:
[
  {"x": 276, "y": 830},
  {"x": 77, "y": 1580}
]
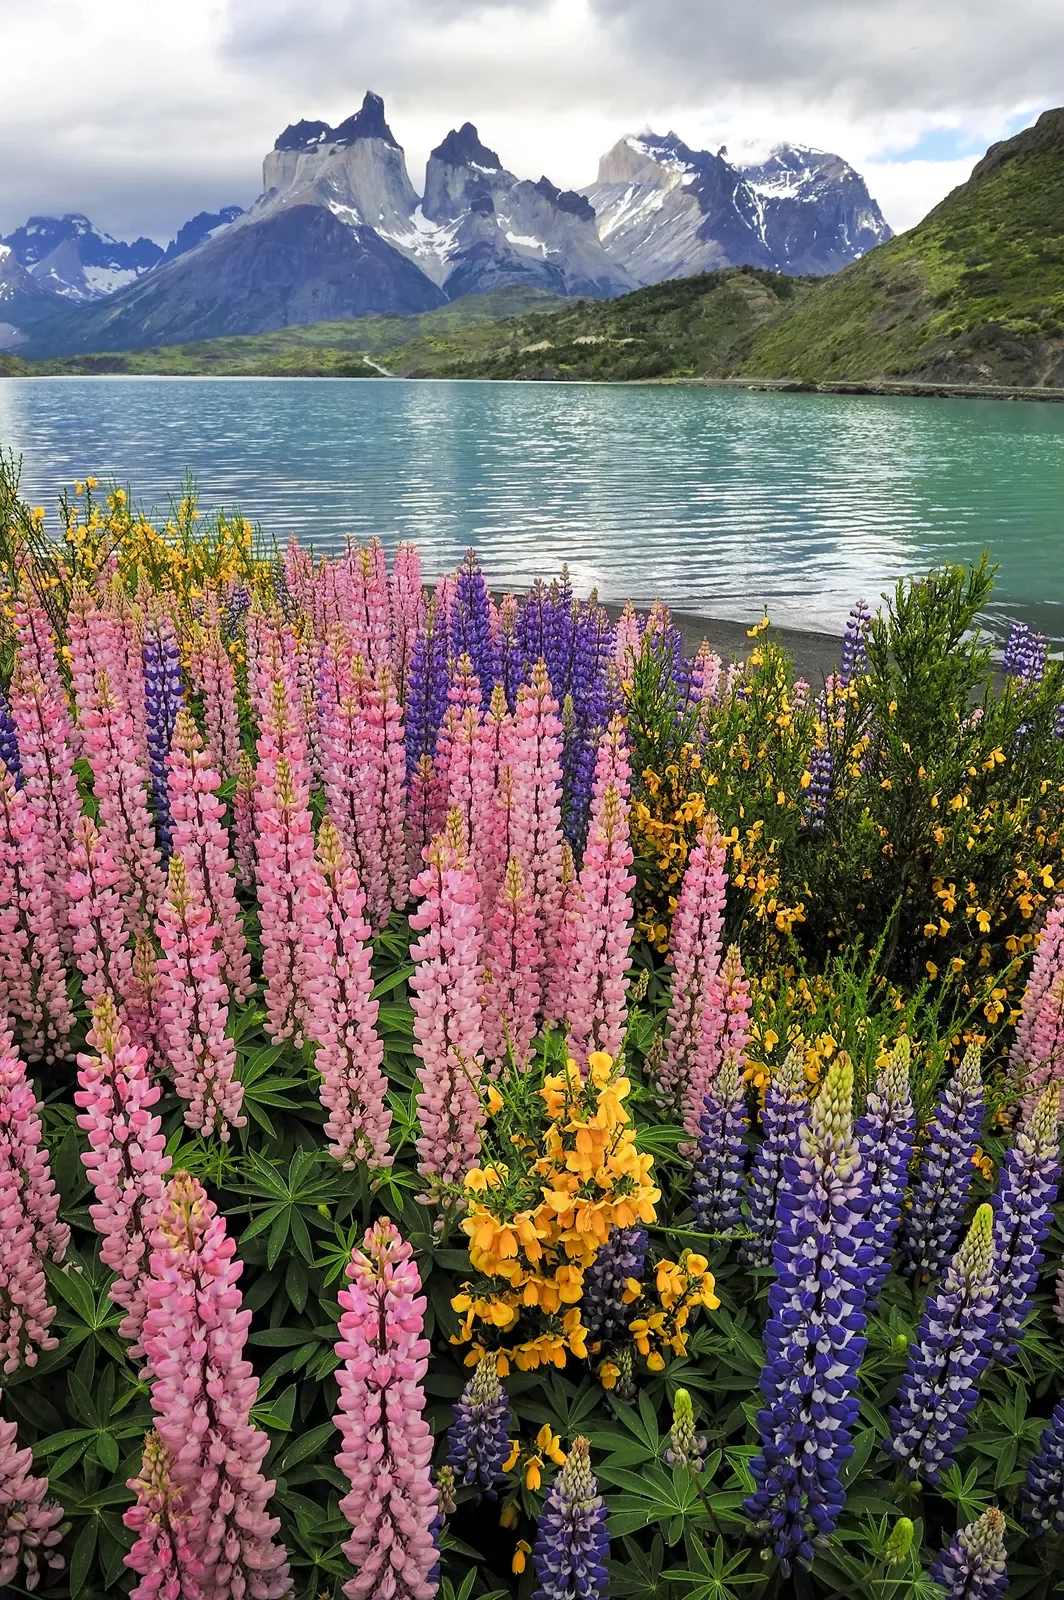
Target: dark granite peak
[
  {"x": 367, "y": 123},
  {"x": 304, "y": 136},
  {"x": 566, "y": 199},
  {"x": 463, "y": 148}
]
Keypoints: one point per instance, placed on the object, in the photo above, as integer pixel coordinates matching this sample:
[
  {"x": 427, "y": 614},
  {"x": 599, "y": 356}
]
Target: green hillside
[{"x": 973, "y": 294}]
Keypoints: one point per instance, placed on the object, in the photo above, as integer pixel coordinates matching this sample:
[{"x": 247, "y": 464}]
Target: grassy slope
[
  {"x": 974, "y": 293},
  {"x": 682, "y": 328},
  {"x": 320, "y": 348}
]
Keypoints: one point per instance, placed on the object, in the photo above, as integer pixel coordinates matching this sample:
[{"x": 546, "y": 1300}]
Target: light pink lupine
[
  {"x": 140, "y": 1010},
  {"x": 1044, "y": 1047},
  {"x": 299, "y": 574},
  {"x": 463, "y": 693},
  {"x": 695, "y": 944},
  {"x": 342, "y": 1012},
  {"x": 448, "y": 1037},
  {"x": 198, "y": 833},
  {"x": 425, "y": 812},
  {"x": 560, "y": 963},
  {"x": 387, "y": 1444},
  {"x": 244, "y": 820},
  {"x": 29, "y": 1523},
  {"x": 127, "y": 680},
  {"x": 536, "y": 752},
  {"x": 307, "y": 664},
  {"x": 194, "y": 1009},
  {"x": 393, "y": 789},
  {"x": 800, "y": 694},
  {"x": 724, "y": 1031},
  {"x": 119, "y": 781},
  {"x": 627, "y": 642},
  {"x": 37, "y": 648},
  {"x": 705, "y": 685},
  {"x": 126, "y": 1160},
  {"x": 284, "y": 845},
  {"x": 96, "y": 915},
  {"x": 511, "y": 989},
  {"x": 489, "y": 847},
  {"x": 202, "y": 1394},
  {"x": 598, "y": 987},
  {"x": 30, "y": 1230},
  {"x": 374, "y": 779},
  {"x": 161, "y": 1552},
  {"x": 215, "y": 681},
  {"x": 1045, "y": 969},
  {"x": 369, "y": 614},
  {"x": 46, "y": 749},
  {"x": 461, "y": 733},
  {"x": 33, "y": 993},
  {"x": 408, "y": 611}
]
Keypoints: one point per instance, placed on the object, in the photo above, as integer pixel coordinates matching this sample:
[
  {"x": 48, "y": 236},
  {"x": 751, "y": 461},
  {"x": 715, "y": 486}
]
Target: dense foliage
[{"x": 494, "y": 1107}]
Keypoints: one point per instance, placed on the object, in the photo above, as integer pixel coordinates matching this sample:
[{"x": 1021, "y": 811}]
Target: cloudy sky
[{"x": 142, "y": 112}]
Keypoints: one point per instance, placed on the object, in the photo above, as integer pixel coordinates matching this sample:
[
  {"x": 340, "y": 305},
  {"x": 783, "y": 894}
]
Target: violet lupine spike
[
  {"x": 821, "y": 773},
  {"x": 609, "y": 1292},
  {"x": 591, "y": 653},
  {"x": 426, "y": 695},
  {"x": 29, "y": 1523},
  {"x": 717, "y": 1192},
  {"x": 202, "y": 1395},
  {"x": 598, "y": 987},
  {"x": 854, "y": 655},
  {"x": 30, "y": 1230},
  {"x": 478, "y": 1440},
  {"x": 1025, "y": 655},
  {"x": 972, "y": 1565},
  {"x": 448, "y": 1031},
  {"x": 161, "y": 1552},
  {"x": 164, "y": 697},
  {"x": 572, "y": 1543},
  {"x": 470, "y": 632},
  {"x": 786, "y": 1109},
  {"x": 932, "y": 1225},
  {"x": 885, "y": 1136},
  {"x": 386, "y": 1443},
  {"x": 948, "y": 1358},
  {"x": 343, "y": 1013},
  {"x": 126, "y": 1161},
  {"x": 1023, "y": 1213},
  {"x": 1043, "y": 1492},
  {"x": 9, "y": 741},
  {"x": 814, "y": 1339}
]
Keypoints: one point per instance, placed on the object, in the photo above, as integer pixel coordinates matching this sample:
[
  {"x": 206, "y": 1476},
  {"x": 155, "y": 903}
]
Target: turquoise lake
[{"x": 721, "y": 502}]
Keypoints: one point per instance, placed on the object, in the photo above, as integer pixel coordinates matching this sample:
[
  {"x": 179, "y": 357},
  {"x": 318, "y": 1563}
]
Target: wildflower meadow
[{"x": 494, "y": 1106}]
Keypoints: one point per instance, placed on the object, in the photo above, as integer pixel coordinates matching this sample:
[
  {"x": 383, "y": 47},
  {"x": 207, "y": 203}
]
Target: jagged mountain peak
[
  {"x": 566, "y": 199},
  {"x": 463, "y": 148},
  {"x": 368, "y": 122}
]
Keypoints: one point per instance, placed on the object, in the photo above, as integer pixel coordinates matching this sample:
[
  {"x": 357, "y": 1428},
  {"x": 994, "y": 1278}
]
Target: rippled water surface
[{"x": 718, "y": 501}]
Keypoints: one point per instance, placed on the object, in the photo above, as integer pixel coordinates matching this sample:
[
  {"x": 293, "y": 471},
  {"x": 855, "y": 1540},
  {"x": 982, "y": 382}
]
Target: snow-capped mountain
[
  {"x": 340, "y": 231},
  {"x": 67, "y": 256},
  {"x": 666, "y": 211}
]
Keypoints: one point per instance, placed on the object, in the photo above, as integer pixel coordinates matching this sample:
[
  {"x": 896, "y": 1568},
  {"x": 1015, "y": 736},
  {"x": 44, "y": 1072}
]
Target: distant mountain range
[{"x": 339, "y": 232}]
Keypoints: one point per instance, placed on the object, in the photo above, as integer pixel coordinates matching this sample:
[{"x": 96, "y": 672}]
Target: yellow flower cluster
[
  {"x": 681, "y": 1286},
  {"x": 536, "y": 1223}
]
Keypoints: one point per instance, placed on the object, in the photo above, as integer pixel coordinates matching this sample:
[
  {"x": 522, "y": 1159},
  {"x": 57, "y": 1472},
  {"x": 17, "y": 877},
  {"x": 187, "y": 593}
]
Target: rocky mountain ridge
[{"x": 339, "y": 231}]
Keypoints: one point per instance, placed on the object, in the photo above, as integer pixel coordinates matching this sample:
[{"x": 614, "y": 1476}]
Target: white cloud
[{"x": 166, "y": 109}]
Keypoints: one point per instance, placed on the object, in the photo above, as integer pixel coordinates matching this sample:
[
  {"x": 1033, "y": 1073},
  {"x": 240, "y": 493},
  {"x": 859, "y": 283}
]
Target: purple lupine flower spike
[
  {"x": 9, "y": 742},
  {"x": 603, "y": 1309},
  {"x": 236, "y": 609},
  {"x": 1023, "y": 1214},
  {"x": 854, "y": 656},
  {"x": 470, "y": 624},
  {"x": 940, "y": 1195},
  {"x": 885, "y": 1140},
  {"x": 821, "y": 772},
  {"x": 478, "y": 1440},
  {"x": 593, "y": 648},
  {"x": 1025, "y": 655},
  {"x": 1044, "y": 1490},
  {"x": 814, "y": 1339},
  {"x": 164, "y": 697},
  {"x": 947, "y": 1358},
  {"x": 972, "y": 1566},
  {"x": 717, "y": 1194},
  {"x": 571, "y": 1540},
  {"x": 426, "y": 700},
  {"x": 786, "y": 1108}
]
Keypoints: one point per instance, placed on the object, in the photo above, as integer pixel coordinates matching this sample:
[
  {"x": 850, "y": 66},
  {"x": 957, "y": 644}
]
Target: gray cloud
[{"x": 184, "y": 96}]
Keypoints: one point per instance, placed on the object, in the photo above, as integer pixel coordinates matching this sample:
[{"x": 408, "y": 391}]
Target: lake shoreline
[{"x": 903, "y": 388}]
